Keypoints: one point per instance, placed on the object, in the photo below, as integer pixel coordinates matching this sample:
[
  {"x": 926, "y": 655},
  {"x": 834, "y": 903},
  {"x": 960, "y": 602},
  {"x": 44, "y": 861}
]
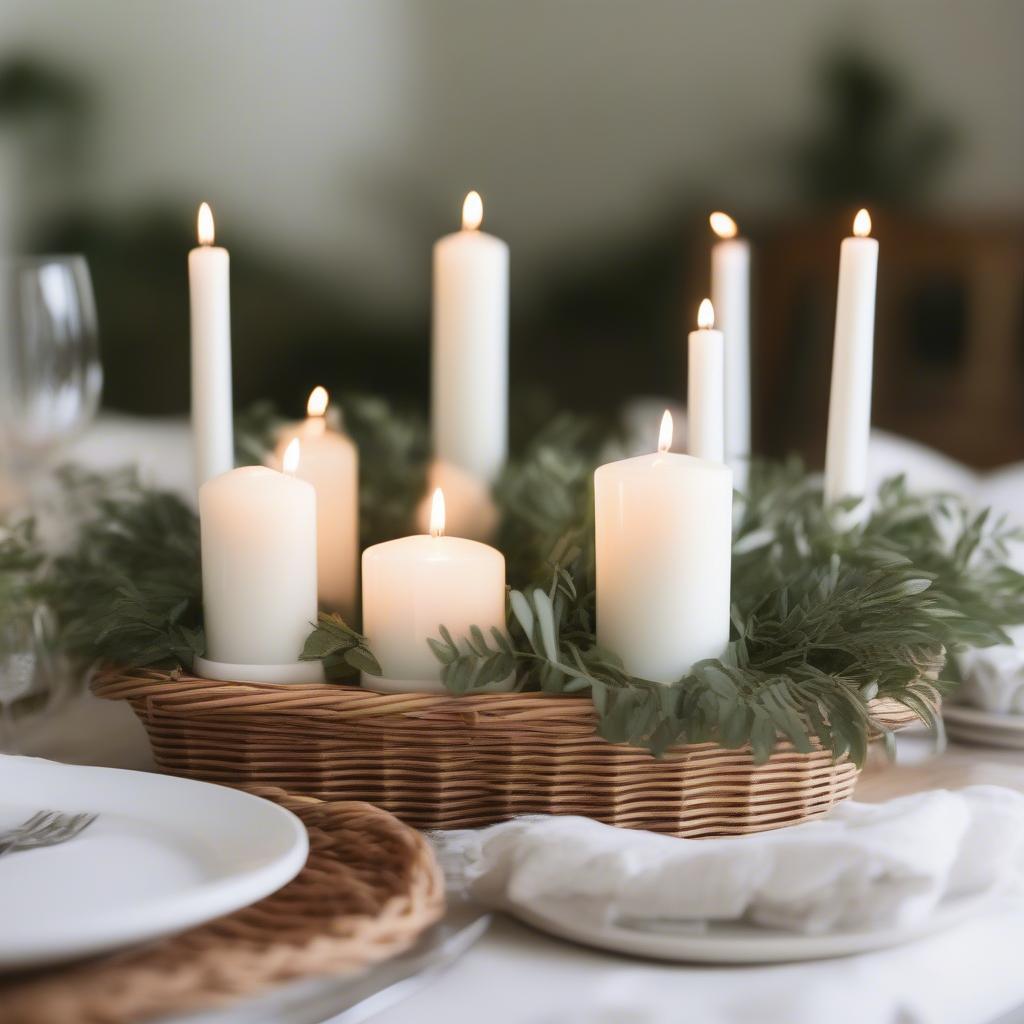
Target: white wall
[{"x": 327, "y": 125}]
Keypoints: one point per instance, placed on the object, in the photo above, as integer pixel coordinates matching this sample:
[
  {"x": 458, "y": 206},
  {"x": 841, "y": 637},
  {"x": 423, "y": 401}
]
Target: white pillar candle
[
  {"x": 849, "y": 412},
  {"x": 730, "y": 293},
  {"x": 210, "y": 305},
  {"x": 414, "y": 585},
  {"x": 469, "y": 392},
  {"x": 663, "y": 533},
  {"x": 705, "y": 392},
  {"x": 258, "y": 536},
  {"x": 330, "y": 462},
  {"x": 469, "y": 507}
]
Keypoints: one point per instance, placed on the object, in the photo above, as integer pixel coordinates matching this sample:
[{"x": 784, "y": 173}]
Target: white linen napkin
[
  {"x": 993, "y": 677},
  {"x": 864, "y": 866}
]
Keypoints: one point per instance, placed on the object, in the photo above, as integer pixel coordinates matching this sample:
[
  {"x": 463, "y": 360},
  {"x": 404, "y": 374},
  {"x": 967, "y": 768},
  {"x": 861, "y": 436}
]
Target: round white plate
[
  {"x": 985, "y": 727},
  {"x": 733, "y": 943},
  {"x": 165, "y": 854}
]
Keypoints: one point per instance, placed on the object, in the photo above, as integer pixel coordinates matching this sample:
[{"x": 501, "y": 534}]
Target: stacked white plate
[
  {"x": 163, "y": 855},
  {"x": 986, "y": 728}
]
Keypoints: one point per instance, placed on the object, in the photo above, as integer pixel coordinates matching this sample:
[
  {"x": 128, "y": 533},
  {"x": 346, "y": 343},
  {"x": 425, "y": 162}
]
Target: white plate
[
  {"x": 731, "y": 943},
  {"x": 985, "y": 727},
  {"x": 164, "y": 855}
]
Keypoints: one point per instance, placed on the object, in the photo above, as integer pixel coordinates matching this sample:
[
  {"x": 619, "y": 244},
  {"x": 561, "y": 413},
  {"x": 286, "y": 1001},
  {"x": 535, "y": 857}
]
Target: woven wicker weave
[
  {"x": 456, "y": 762},
  {"x": 370, "y": 887}
]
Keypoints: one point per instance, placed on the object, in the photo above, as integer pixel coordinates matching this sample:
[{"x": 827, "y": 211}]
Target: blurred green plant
[{"x": 871, "y": 141}]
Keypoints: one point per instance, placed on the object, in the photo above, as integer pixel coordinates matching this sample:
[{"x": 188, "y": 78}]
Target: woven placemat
[{"x": 371, "y": 885}]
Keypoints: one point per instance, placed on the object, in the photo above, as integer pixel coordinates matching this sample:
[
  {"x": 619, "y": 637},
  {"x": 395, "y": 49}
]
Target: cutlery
[{"x": 45, "y": 828}]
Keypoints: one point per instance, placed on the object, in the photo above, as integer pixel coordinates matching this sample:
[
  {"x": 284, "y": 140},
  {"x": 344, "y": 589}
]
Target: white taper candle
[
  {"x": 730, "y": 293},
  {"x": 469, "y": 391},
  {"x": 705, "y": 393},
  {"x": 849, "y": 413},
  {"x": 210, "y": 305}
]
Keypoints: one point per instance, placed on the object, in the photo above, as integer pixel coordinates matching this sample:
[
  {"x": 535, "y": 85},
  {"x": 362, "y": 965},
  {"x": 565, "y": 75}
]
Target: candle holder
[
  {"x": 291, "y": 674},
  {"x": 438, "y": 761},
  {"x": 381, "y": 684}
]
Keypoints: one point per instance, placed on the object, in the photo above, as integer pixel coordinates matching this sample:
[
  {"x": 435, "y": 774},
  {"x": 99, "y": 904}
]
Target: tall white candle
[
  {"x": 330, "y": 462},
  {"x": 730, "y": 293},
  {"x": 415, "y": 585},
  {"x": 705, "y": 393},
  {"x": 663, "y": 533},
  {"x": 210, "y": 304},
  {"x": 849, "y": 412},
  {"x": 258, "y": 536},
  {"x": 469, "y": 393}
]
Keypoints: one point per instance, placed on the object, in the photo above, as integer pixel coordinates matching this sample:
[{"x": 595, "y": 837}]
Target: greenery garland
[{"x": 824, "y": 620}]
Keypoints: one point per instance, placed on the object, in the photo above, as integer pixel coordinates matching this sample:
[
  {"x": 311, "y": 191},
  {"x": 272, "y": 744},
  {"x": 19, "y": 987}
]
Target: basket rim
[{"x": 185, "y": 691}]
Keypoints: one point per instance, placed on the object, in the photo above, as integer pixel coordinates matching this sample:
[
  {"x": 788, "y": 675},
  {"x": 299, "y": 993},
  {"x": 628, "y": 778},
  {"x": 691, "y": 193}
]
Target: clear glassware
[
  {"x": 50, "y": 384},
  {"x": 27, "y": 670},
  {"x": 51, "y": 376}
]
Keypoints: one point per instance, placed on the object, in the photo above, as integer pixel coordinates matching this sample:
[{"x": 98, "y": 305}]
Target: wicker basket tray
[{"x": 459, "y": 762}]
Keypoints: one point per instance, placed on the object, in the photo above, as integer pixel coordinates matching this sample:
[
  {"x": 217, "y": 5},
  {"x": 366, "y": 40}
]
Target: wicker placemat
[{"x": 370, "y": 887}]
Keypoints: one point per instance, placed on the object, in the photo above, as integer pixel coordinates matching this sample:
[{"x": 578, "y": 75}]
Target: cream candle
[
  {"x": 210, "y": 307},
  {"x": 258, "y": 537},
  {"x": 414, "y": 585},
  {"x": 730, "y": 293},
  {"x": 330, "y": 462},
  {"x": 849, "y": 411},
  {"x": 469, "y": 389},
  {"x": 705, "y": 391},
  {"x": 663, "y": 535}
]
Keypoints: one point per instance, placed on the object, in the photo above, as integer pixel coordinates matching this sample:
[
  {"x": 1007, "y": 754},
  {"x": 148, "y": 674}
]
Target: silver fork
[{"x": 46, "y": 828}]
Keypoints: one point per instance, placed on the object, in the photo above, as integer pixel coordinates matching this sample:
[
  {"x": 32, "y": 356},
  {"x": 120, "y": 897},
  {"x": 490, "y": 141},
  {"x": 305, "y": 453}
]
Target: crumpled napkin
[
  {"x": 993, "y": 677},
  {"x": 864, "y": 866}
]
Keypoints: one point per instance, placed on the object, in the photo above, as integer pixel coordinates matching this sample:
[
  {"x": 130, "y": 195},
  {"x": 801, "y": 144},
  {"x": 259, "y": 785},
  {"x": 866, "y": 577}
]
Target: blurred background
[{"x": 335, "y": 141}]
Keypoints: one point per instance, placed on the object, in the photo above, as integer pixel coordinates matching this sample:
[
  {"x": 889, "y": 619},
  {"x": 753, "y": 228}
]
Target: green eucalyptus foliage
[
  {"x": 342, "y": 650},
  {"x": 824, "y": 619}
]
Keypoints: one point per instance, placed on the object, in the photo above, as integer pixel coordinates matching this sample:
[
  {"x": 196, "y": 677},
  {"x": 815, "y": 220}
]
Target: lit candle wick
[
  {"x": 706, "y": 315},
  {"x": 723, "y": 225},
  {"x": 204, "y": 225},
  {"x": 665, "y": 433},
  {"x": 437, "y": 514},
  {"x": 290, "y": 461},
  {"x": 472, "y": 212},
  {"x": 862, "y": 224},
  {"x": 317, "y": 404}
]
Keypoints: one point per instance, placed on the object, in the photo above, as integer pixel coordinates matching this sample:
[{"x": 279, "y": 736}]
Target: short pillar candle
[
  {"x": 663, "y": 526},
  {"x": 415, "y": 585},
  {"x": 330, "y": 462},
  {"x": 258, "y": 537}
]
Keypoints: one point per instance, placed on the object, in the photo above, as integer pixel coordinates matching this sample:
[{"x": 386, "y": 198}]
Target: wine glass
[
  {"x": 50, "y": 383},
  {"x": 27, "y": 669},
  {"x": 51, "y": 376}
]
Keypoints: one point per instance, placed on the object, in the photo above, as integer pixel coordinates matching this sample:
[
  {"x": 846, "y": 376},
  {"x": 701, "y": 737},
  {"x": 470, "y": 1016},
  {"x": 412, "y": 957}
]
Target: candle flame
[
  {"x": 472, "y": 211},
  {"x": 665, "y": 434},
  {"x": 862, "y": 224},
  {"x": 706, "y": 315},
  {"x": 723, "y": 225},
  {"x": 317, "y": 404},
  {"x": 204, "y": 224},
  {"x": 437, "y": 514},
  {"x": 290, "y": 461}
]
